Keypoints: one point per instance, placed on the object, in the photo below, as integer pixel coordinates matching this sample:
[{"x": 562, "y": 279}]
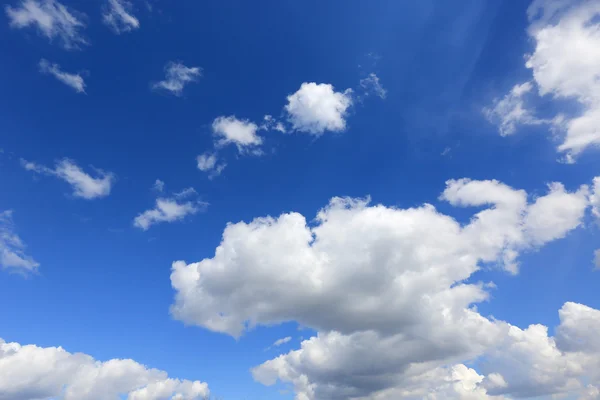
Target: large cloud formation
[
  {"x": 388, "y": 292},
  {"x": 32, "y": 372}
]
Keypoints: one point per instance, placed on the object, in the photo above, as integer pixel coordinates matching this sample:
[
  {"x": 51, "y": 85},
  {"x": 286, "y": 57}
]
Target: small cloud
[
  {"x": 118, "y": 17},
  {"x": 207, "y": 162},
  {"x": 177, "y": 76},
  {"x": 52, "y": 19},
  {"x": 316, "y": 108},
  {"x": 159, "y": 185},
  {"x": 597, "y": 260},
  {"x": 284, "y": 340},
  {"x": 170, "y": 209},
  {"x": 446, "y": 151},
  {"x": 242, "y": 133},
  {"x": 73, "y": 80},
  {"x": 270, "y": 123},
  {"x": 12, "y": 248},
  {"x": 371, "y": 84},
  {"x": 84, "y": 185}
]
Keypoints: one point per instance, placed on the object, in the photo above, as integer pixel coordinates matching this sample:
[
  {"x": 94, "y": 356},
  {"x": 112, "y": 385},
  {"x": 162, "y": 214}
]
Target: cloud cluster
[
  {"x": 177, "y": 76},
  {"x": 84, "y": 185},
  {"x": 411, "y": 310},
  {"x": 52, "y": 19},
  {"x": 565, "y": 65},
  {"x": 170, "y": 209},
  {"x": 316, "y": 108},
  {"x": 32, "y": 372},
  {"x": 73, "y": 80},
  {"x": 12, "y": 248},
  {"x": 117, "y": 15}
]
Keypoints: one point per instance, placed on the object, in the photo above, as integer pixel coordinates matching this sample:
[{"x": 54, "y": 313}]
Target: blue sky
[{"x": 135, "y": 135}]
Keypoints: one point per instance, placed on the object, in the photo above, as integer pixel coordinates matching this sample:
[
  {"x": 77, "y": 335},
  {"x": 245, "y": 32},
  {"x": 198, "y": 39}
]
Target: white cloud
[
  {"x": 207, "y": 162},
  {"x": 83, "y": 184},
  {"x": 511, "y": 111},
  {"x": 565, "y": 64},
  {"x": 33, "y": 372},
  {"x": 282, "y": 341},
  {"x": 270, "y": 123},
  {"x": 118, "y": 17},
  {"x": 73, "y": 80},
  {"x": 170, "y": 209},
  {"x": 242, "y": 133},
  {"x": 316, "y": 108},
  {"x": 177, "y": 76},
  {"x": 371, "y": 84},
  {"x": 12, "y": 248},
  {"x": 595, "y": 198},
  {"x": 411, "y": 313},
  {"x": 51, "y": 18},
  {"x": 159, "y": 186}
]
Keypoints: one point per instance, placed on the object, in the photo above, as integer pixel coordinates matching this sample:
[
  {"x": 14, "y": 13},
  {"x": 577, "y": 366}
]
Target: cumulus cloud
[
  {"x": 51, "y": 18},
  {"x": 316, "y": 108},
  {"x": 372, "y": 85},
  {"x": 242, "y": 133},
  {"x": 12, "y": 248},
  {"x": 33, "y": 372},
  {"x": 207, "y": 162},
  {"x": 170, "y": 209},
  {"x": 410, "y": 322},
  {"x": 73, "y": 80},
  {"x": 84, "y": 185},
  {"x": 565, "y": 65},
  {"x": 177, "y": 76},
  {"x": 117, "y": 15}
]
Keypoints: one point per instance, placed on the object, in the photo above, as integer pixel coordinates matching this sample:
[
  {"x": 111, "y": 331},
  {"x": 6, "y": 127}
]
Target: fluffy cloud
[
  {"x": 118, "y": 17},
  {"x": 207, "y": 162},
  {"x": 32, "y": 372},
  {"x": 411, "y": 311},
  {"x": 316, "y": 108},
  {"x": 73, "y": 80},
  {"x": 565, "y": 65},
  {"x": 371, "y": 84},
  {"x": 177, "y": 76},
  {"x": 170, "y": 209},
  {"x": 12, "y": 248},
  {"x": 84, "y": 185},
  {"x": 242, "y": 133},
  {"x": 51, "y": 18}
]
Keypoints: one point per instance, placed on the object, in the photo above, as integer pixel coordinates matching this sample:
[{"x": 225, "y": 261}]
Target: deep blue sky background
[{"x": 103, "y": 286}]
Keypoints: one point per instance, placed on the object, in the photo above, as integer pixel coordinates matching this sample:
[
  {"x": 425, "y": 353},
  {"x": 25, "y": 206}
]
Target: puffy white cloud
[
  {"x": 242, "y": 133},
  {"x": 316, "y": 108},
  {"x": 371, "y": 84},
  {"x": 83, "y": 184},
  {"x": 281, "y": 341},
  {"x": 32, "y": 372},
  {"x": 12, "y": 248},
  {"x": 117, "y": 15},
  {"x": 411, "y": 314},
  {"x": 565, "y": 64},
  {"x": 51, "y": 18},
  {"x": 73, "y": 80},
  {"x": 177, "y": 76},
  {"x": 171, "y": 209},
  {"x": 511, "y": 111}
]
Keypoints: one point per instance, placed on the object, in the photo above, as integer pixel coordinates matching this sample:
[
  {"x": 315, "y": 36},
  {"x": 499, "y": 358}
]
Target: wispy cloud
[
  {"x": 281, "y": 341},
  {"x": 159, "y": 185},
  {"x": 84, "y": 185},
  {"x": 177, "y": 76},
  {"x": 372, "y": 85},
  {"x": 118, "y": 17},
  {"x": 171, "y": 209},
  {"x": 52, "y": 19},
  {"x": 12, "y": 248},
  {"x": 73, "y": 80}
]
